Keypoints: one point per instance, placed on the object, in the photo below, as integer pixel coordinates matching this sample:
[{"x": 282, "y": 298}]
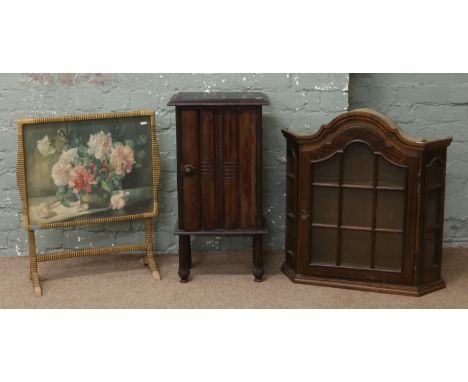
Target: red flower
[{"x": 81, "y": 179}]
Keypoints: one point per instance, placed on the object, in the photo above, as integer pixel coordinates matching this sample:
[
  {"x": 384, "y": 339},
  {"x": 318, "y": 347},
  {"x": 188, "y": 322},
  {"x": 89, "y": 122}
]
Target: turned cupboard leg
[
  {"x": 185, "y": 258},
  {"x": 258, "y": 257}
]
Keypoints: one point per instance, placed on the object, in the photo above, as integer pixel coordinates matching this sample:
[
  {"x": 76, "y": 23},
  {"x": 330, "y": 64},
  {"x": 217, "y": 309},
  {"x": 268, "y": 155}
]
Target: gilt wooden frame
[{"x": 34, "y": 259}]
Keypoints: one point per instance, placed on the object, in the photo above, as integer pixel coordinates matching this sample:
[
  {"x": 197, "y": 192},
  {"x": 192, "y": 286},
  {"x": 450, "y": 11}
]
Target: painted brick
[
  {"x": 77, "y": 239},
  {"x": 9, "y": 222},
  {"x": 431, "y": 106},
  {"x": 3, "y": 240},
  {"x": 37, "y": 95},
  {"x": 49, "y": 239},
  {"x": 320, "y": 82}
]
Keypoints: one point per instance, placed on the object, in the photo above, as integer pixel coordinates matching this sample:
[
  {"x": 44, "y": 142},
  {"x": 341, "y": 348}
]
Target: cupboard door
[
  {"x": 218, "y": 168},
  {"x": 230, "y": 145},
  {"x": 354, "y": 215},
  {"x": 249, "y": 171},
  {"x": 207, "y": 169},
  {"x": 189, "y": 172}
]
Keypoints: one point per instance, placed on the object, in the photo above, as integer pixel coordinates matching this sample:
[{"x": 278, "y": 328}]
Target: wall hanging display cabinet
[
  {"x": 219, "y": 169},
  {"x": 365, "y": 206}
]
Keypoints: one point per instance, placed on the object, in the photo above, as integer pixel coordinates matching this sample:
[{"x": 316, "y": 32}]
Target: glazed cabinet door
[{"x": 354, "y": 207}]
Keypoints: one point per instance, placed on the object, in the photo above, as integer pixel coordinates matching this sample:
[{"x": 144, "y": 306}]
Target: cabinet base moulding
[{"x": 369, "y": 286}]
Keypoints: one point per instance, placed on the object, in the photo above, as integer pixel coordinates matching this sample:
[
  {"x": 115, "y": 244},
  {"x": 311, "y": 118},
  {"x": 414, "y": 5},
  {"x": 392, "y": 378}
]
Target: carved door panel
[{"x": 219, "y": 161}]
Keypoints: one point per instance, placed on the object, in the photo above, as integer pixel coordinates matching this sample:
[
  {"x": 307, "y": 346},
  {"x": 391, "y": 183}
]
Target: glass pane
[
  {"x": 355, "y": 248},
  {"x": 388, "y": 251},
  {"x": 429, "y": 249},
  {"x": 432, "y": 207},
  {"x": 434, "y": 173},
  {"x": 357, "y": 207},
  {"x": 323, "y": 246},
  {"x": 358, "y": 164},
  {"x": 326, "y": 171},
  {"x": 390, "y": 209},
  {"x": 390, "y": 175},
  {"x": 325, "y": 205}
]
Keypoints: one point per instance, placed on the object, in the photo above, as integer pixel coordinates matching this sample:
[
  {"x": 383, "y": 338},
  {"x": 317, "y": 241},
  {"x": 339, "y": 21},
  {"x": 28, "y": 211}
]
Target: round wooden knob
[{"x": 188, "y": 169}]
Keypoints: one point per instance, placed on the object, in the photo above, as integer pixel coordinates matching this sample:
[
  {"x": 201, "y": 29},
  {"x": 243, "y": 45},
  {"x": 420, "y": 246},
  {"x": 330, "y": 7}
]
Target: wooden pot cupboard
[
  {"x": 365, "y": 206},
  {"x": 219, "y": 170}
]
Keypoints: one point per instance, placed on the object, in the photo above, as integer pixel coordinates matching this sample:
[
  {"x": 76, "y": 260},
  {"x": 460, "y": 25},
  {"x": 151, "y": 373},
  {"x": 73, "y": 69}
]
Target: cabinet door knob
[{"x": 188, "y": 170}]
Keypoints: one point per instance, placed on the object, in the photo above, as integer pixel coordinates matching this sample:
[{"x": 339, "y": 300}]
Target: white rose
[
  {"x": 122, "y": 159},
  {"x": 69, "y": 155},
  {"x": 44, "y": 146},
  {"x": 45, "y": 211},
  {"x": 100, "y": 145},
  {"x": 61, "y": 173},
  {"x": 119, "y": 200}
]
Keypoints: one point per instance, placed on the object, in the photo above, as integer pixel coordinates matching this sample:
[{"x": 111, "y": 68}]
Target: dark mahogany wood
[
  {"x": 219, "y": 99},
  {"x": 364, "y": 206},
  {"x": 185, "y": 258},
  {"x": 219, "y": 169}
]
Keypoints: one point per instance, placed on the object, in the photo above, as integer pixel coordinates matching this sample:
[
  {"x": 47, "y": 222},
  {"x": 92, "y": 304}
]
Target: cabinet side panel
[
  {"x": 207, "y": 169},
  {"x": 190, "y": 140},
  {"x": 231, "y": 169},
  {"x": 247, "y": 164},
  {"x": 291, "y": 205}
]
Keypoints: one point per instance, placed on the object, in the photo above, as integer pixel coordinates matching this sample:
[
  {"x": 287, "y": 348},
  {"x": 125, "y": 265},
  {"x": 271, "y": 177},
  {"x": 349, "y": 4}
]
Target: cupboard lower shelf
[{"x": 371, "y": 286}]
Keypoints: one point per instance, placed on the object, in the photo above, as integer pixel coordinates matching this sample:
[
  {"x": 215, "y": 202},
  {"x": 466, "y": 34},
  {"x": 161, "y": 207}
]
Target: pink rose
[
  {"x": 119, "y": 200},
  {"x": 122, "y": 159},
  {"x": 81, "y": 179}
]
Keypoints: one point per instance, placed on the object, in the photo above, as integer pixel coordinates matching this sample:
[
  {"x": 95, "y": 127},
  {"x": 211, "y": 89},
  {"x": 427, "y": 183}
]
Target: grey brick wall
[
  {"x": 298, "y": 101},
  {"x": 430, "y": 106}
]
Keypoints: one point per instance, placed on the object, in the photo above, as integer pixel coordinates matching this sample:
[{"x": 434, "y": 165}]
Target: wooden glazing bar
[
  {"x": 375, "y": 176},
  {"x": 358, "y": 186},
  {"x": 339, "y": 209},
  {"x": 356, "y": 228}
]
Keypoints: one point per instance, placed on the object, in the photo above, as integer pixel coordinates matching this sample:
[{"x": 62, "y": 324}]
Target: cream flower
[
  {"x": 61, "y": 173},
  {"x": 45, "y": 211},
  {"x": 83, "y": 207},
  {"x": 100, "y": 145},
  {"x": 44, "y": 146},
  {"x": 69, "y": 155},
  {"x": 119, "y": 200},
  {"x": 122, "y": 159}
]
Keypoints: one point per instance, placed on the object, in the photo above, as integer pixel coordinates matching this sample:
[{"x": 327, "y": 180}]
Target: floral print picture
[{"x": 88, "y": 169}]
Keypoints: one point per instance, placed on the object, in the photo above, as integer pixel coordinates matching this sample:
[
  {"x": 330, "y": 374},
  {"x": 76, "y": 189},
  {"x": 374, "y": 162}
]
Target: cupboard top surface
[{"x": 219, "y": 99}]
